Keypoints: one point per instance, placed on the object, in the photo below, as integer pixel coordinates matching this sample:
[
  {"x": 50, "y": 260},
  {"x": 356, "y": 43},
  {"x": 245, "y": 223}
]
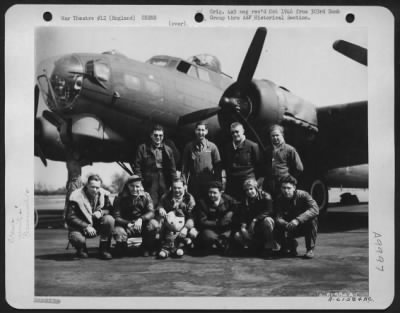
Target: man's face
[
  {"x": 237, "y": 133},
  {"x": 214, "y": 194},
  {"x": 93, "y": 187},
  {"x": 157, "y": 137},
  {"x": 276, "y": 137},
  {"x": 135, "y": 188},
  {"x": 251, "y": 191},
  {"x": 201, "y": 131},
  {"x": 178, "y": 189},
  {"x": 288, "y": 190}
]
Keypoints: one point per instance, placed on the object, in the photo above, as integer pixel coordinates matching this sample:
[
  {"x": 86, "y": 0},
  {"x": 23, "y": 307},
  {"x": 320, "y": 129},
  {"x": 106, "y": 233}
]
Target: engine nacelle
[
  {"x": 88, "y": 128},
  {"x": 273, "y": 104}
]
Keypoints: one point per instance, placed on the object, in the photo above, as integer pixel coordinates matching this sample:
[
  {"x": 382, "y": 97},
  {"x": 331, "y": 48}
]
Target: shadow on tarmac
[{"x": 342, "y": 221}]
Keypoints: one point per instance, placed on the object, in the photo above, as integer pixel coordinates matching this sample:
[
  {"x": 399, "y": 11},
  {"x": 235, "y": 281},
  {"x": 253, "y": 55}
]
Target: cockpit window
[
  {"x": 159, "y": 62},
  {"x": 203, "y": 74},
  {"x": 187, "y": 68},
  {"x": 183, "y": 67}
]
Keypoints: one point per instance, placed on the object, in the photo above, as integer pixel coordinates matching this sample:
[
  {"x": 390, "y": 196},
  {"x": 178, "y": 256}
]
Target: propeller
[
  {"x": 352, "y": 51},
  {"x": 38, "y": 148},
  {"x": 245, "y": 76},
  {"x": 232, "y": 99},
  {"x": 250, "y": 62}
]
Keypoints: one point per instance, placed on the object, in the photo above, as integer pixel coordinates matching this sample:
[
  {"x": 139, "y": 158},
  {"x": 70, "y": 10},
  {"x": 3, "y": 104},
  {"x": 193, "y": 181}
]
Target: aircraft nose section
[{"x": 66, "y": 81}]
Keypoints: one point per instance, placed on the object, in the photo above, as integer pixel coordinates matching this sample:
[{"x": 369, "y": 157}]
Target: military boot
[
  {"x": 104, "y": 250},
  {"x": 81, "y": 253},
  {"x": 120, "y": 249}
]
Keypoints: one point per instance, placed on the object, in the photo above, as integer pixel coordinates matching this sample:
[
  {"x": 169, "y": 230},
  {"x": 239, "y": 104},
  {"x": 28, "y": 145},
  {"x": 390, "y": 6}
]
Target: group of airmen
[{"x": 243, "y": 202}]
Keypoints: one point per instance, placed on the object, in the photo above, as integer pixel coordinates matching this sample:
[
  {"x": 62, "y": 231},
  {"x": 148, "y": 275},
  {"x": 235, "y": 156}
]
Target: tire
[{"x": 319, "y": 192}]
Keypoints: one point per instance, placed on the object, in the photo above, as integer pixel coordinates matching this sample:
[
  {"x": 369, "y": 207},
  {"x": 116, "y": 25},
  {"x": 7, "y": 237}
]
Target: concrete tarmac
[{"x": 340, "y": 265}]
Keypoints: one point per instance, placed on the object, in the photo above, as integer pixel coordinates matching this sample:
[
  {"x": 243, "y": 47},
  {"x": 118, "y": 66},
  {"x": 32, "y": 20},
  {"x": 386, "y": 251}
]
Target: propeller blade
[
  {"x": 352, "y": 51},
  {"x": 40, "y": 154},
  {"x": 37, "y": 148},
  {"x": 53, "y": 118},
  {"x": 36, "y": 99},
  {"x": 252, "y": 57},
  {"x": 247, "y": 125},
  {"x": 198, "y": 116}
]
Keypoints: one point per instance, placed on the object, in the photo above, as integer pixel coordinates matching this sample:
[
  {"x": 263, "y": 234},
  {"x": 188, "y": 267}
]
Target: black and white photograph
[{"x": 202, "y": 163}]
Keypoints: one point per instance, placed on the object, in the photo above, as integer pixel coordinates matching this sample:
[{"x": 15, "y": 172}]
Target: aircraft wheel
[
  {"x": 319, "y": 192},
  {"x": 36, "y": 218}
]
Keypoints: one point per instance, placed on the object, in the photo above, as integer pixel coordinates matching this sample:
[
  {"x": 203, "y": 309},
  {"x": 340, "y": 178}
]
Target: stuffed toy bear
[{"x": 172, "y": 240}]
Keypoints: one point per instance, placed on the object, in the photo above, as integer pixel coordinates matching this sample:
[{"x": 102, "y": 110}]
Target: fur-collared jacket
[
  {"x": 185, "y": 207},
  {"x": 80, "y": 210}
]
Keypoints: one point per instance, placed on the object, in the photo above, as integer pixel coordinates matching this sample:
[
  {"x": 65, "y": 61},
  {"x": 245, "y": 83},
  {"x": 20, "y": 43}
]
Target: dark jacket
[
  {"x": 242, "y": 162},
  {"x": 301, "y": 207},
  {"x": 145, "y": 163},
  {"x": 79, "y": 209},
  {"x": 202, "y": 164},
  {"x": 219, "y": 218},
  {"x": 128, "y": 208},
  {"x": 257, "y": 208},
  {"x": 185, "y": 207}
]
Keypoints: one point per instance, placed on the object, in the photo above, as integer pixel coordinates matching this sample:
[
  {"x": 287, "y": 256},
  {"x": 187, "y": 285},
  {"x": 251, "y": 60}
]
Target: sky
[{"x": 300, "y": 59}]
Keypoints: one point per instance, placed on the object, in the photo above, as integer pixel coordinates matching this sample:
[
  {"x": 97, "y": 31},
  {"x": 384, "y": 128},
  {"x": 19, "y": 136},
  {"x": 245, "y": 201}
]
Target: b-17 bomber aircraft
[{"x": 101, "y": 106}]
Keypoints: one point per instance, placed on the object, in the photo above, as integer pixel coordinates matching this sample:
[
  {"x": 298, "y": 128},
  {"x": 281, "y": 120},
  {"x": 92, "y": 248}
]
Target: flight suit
[
  {"x": 157, "y": 168},
  {"x": 128, "y": 209},
  {"x": 215, "y": 222},
  {"x": 281, "y": 162},
  {"x": 241, "y": 162},
  {"x": 303, "y": 208},
  {"x": 258, "y": 210},
  {"x": 200, "y": 166}
]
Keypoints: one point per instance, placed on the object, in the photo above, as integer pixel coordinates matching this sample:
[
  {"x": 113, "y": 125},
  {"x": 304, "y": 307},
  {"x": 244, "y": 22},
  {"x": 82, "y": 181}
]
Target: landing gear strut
[{"x": 74, "y": 167}]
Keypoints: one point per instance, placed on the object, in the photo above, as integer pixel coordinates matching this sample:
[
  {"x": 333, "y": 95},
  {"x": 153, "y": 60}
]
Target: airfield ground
[{"x": 340, "y": 265}]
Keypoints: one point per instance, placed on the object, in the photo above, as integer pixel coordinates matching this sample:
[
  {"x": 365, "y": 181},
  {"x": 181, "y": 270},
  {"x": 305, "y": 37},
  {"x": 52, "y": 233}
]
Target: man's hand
[
  {"x": 293, "y": 224},
  {"x": 97, "y": 214},
  {"x": 252, "y": 226},
  {"x": 226, "y": 220},
  {"x": 162, "y": 212},
  {"x": 137, "y": 225},
  {"x": 90, "y": 231}
]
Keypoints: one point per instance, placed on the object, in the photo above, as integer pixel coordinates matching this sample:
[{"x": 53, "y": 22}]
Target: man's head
[
  {"x": 237, "y": 132},
  {"x": 178, "y": 188},
  {"x": 288, "y": 186},
  {"x": 215, "y": 191},
  {"x": 157, "y": 135},
  {"x": 201, "y": 130},
  {"x": 250, "y": 187},
  {"x": 276, "y": 133},
  {"x": 93, "y": 184},
  {"x": 134, "y": 184}
]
